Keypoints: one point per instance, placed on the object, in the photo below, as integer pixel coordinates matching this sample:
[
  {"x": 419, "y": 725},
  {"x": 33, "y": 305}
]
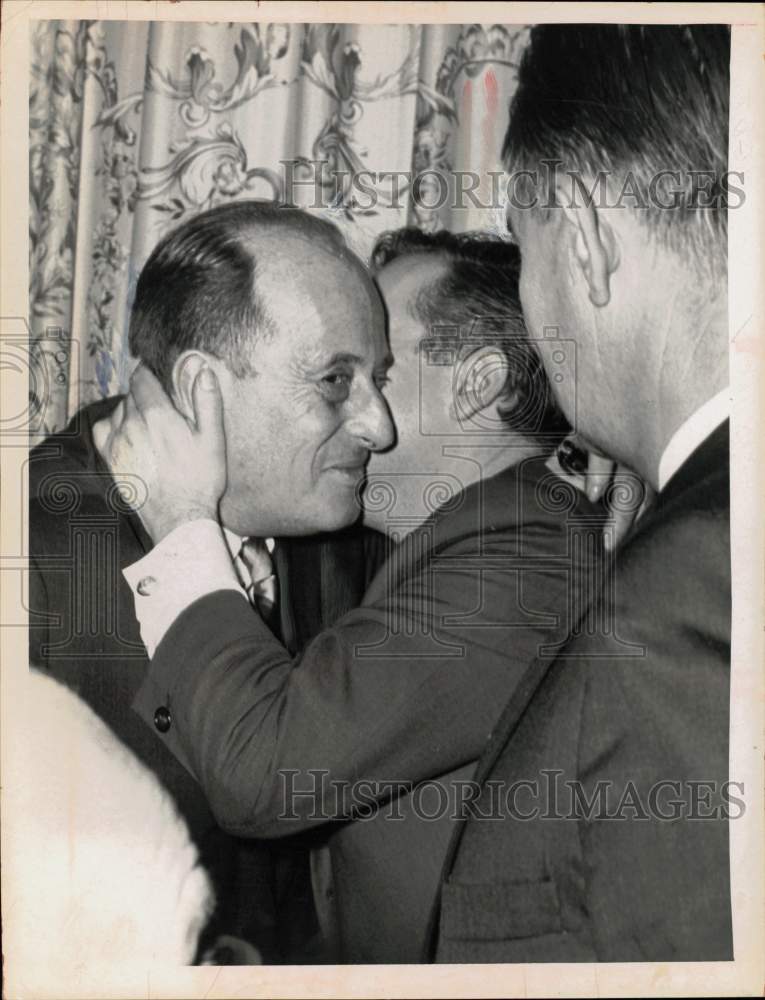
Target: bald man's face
[{"x": 300, "y": 430}]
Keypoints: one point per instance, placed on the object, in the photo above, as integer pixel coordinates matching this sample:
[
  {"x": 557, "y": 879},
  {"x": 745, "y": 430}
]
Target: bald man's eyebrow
[{"x": 342, "y": 357}]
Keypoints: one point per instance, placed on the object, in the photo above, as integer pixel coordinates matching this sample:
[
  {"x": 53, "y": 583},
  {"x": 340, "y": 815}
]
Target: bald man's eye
[{"x": 336, "y": 386}]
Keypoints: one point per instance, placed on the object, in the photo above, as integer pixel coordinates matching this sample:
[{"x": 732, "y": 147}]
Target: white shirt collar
[
  {"x": 693, "y": 432},
  {"x": 235, "y": 542}
]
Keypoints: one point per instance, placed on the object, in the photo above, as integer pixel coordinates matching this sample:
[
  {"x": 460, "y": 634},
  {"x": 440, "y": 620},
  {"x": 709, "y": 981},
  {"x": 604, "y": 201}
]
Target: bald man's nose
[{"x": 371, "y": 422}]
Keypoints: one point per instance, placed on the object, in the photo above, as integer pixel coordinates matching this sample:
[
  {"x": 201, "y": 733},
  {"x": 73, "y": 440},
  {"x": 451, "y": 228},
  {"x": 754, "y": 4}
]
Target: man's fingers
[
  {"x": 628, "y": 497},
  {"x": 117, "y": 416},
  {"x": 599, "y": 472},
  {"x": 208, "y": 407},
  {"x": 648, "y": 498},
  {"x": 146, "y": 390},
  {"x": 618, "y": 524},
  {"x": 102, "y": 432},
  {"x": 131, "y": 412}
]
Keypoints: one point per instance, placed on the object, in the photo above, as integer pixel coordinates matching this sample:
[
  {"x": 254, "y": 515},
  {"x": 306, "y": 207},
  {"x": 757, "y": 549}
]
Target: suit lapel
[
  {"x": 320, "y": 579},
  {"x": 286, "y": 576},
  {"x": 342, "y": 575},
  {"x": 501, "y": 735}
]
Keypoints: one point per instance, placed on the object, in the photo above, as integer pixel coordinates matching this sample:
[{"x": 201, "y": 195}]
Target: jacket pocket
[{"x": 496, "y": 911}]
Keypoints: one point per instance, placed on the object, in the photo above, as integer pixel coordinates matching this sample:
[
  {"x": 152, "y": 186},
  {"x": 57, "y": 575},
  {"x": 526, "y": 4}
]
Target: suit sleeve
[{"x": 406, "y": 687}]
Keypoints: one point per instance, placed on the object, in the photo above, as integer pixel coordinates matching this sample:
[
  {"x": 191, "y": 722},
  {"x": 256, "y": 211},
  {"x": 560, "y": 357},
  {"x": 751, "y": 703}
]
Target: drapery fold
[{"x": 136, "y": 126}]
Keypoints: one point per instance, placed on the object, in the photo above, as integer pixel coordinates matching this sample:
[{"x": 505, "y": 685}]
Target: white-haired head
[{"x": 100, "y": 873}]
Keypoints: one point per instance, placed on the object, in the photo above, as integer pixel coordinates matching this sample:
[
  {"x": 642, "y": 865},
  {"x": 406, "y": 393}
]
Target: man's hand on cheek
[{"x": 181, "y": 463}]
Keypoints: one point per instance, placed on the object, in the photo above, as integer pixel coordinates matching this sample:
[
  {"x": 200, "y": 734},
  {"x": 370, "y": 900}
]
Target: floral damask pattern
[
  {"x": 201, "y": 95},
  {"x": 58, "y": 68},
  {"x": 476, "y": 50},
  {"x": 206, "y": 169},
  {"x": 55, "y": 101},
  {"x": 334, "y": 66},
  {"x": 118, "y": 178},
  {"x": 130, "y": 133}
]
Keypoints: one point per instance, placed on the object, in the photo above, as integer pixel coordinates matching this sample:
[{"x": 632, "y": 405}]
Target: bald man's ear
[
  {"x": 185, "y": 370},
  {"x": 595, "y": 247},
  {"x": 480, "y": 381}
]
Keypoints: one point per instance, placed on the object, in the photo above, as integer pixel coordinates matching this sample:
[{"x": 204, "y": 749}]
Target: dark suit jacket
[
  {"x": 83, "y": 630},
  {"x": 405, "y": 688},
  {"x": 639, "y": 698}
]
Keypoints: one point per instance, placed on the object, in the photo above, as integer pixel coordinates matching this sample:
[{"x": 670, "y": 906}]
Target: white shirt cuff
[{"x": 190, "y": 562}]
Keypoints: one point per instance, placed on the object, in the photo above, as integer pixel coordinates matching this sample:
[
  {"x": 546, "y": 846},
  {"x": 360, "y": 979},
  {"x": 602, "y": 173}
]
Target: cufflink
[
  {"x": 145, "y": 586},
  {"x": 162, "y": 719}
]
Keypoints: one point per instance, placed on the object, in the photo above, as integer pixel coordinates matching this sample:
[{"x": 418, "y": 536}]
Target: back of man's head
[
  {"x": 644, "y": 107},
  {"x": 198, "y": 289},
  {"x": 103, "y": 874}
]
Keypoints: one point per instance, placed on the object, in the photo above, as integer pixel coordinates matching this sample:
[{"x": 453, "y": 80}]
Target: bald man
[{"x": 297, "y": 442}]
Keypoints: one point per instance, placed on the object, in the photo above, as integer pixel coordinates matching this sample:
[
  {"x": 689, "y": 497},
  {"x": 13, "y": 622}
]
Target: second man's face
[
  {"x": 408, "y": 480},
  {"x": 300, "y": 430}
]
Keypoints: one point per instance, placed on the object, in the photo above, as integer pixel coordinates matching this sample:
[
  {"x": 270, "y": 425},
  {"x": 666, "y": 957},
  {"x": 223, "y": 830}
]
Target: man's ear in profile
[
  {"x": 480, "y": 385},
  {"x": 595, "y": 244},
  {"x": 187, "y": 368}
]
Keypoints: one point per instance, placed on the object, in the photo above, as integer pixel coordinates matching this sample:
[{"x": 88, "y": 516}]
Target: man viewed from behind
[{"x": 628, "y": 729}]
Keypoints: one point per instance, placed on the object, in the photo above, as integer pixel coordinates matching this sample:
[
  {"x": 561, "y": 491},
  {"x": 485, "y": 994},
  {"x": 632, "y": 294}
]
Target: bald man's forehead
[
  {"x": 302, "y": 286},
  {"x": 298, "y": 253},
  {"x": 294, "y": 272}
]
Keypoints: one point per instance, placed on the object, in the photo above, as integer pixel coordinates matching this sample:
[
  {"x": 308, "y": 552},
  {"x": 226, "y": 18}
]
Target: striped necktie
[{"x": 262, "y": 591}]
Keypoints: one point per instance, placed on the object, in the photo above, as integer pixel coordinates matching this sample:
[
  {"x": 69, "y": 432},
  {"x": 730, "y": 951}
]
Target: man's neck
[{"x": 690, "y": 371}]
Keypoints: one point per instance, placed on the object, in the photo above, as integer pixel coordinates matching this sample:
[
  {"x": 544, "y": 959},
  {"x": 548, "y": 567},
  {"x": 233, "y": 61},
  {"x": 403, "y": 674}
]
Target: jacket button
[{"x": 162, "y": 719}]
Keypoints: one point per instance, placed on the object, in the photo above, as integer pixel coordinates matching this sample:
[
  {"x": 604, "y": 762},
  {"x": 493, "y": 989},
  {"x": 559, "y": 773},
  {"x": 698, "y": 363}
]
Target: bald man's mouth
[{"x": 351, "y": 470}]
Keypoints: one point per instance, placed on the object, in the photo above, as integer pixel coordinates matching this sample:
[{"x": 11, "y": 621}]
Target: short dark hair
[
  {"x": 198, "y": 287},
  {"x": 632, "y": 101},
  {"x": 478, "y": 296}
]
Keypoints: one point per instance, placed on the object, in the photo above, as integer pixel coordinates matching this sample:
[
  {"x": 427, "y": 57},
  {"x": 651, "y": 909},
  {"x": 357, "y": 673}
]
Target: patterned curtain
[{"x": 135, "y": 126}]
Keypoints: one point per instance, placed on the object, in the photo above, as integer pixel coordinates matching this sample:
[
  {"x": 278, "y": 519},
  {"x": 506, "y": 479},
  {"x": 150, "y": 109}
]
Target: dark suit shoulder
[
  {"x": 660, "y": 670},
  {"x": 525, "y": 508},
  {"x": 683, "y": 554},
  {"x": 675, "y": 572},
  {"x": 69, "y": 451},
  {"x": 70, "y": 486}
]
